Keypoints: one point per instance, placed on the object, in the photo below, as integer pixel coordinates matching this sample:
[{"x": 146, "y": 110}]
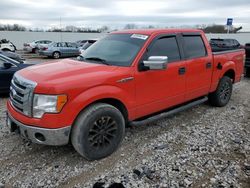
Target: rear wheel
[
  {"x": 98, "y": 131},
  {"x": 56, "y": 55},
  {"x": 248, "y": 72},
  {"x": 223, "y": 92}
]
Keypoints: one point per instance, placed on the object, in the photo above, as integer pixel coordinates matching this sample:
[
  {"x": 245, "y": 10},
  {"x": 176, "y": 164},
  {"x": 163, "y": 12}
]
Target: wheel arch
[
  {"x": 116, "y": 103},
  {"x": 6, "y": 49},
  {"x": 230, "y": 73},
  {"x": 95, "y": 95}
]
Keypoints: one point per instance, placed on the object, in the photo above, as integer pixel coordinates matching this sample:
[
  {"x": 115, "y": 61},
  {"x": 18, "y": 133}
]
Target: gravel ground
[{"x": 201, "y": 147}]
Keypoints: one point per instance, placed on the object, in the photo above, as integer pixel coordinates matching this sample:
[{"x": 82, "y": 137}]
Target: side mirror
[
  {"x": 7, "y": 65},
  {"x": 156, "y": 63}
]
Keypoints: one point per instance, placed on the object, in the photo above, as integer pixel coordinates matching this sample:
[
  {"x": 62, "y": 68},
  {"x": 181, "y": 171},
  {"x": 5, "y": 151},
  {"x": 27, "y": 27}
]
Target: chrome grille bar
[{"x": 21, "y": 94}]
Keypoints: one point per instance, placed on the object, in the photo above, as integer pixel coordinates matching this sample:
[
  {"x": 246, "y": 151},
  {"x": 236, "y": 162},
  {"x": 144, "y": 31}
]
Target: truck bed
[
  {"x": 225, "y": 58},
  {"x": 247, "y": 48}
]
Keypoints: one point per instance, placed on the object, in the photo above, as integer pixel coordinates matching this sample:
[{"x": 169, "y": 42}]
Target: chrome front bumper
[{"x": 53, "y": 137}]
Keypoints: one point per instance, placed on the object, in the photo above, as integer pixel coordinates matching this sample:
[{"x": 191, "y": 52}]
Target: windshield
[{"x": 115, "y": 49}]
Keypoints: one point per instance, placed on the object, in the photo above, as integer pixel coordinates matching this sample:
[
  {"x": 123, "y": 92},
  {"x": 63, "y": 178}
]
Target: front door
[{"x": 159, "y": 89}]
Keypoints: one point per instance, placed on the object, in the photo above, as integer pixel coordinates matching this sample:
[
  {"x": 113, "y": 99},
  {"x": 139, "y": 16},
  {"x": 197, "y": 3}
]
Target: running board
[{"x": 169, "y": 113}]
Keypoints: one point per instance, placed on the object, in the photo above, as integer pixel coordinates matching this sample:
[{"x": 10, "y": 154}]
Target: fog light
[{"x": 40, "y": 137}]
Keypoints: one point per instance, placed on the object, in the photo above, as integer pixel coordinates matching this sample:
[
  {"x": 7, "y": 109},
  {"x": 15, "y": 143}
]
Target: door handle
[
  {"x": 182, "y": 70},
  {"x": 209, "y": 65}
]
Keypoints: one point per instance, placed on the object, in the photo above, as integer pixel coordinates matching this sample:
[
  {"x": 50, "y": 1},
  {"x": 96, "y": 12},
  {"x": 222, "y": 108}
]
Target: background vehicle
[
  {"x": 12, "y": 55},
  {"x": 60, "y": 49},
  {"x": 247, "y": 63},
  {"x": 86, "y": 45},
  {"x": 36, "y": 45},
  {"x": 224, "y": 44},
  {"x": 6, "y": 45},
  {"x": 81, "y": 42},
  {"x": 8, "y": 67},
  {"x": 128, "y": 77}
]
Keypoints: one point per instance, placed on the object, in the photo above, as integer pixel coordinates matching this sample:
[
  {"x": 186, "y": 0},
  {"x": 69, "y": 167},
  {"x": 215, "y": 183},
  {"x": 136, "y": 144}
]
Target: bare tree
[{"x": 130, "y": 26}]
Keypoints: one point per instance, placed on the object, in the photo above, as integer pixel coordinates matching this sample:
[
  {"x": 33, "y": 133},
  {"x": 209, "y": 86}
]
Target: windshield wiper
[{"x": 97, "y": 59}]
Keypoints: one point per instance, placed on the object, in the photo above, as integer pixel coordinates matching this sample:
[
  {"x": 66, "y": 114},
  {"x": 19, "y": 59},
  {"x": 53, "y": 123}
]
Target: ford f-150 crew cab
[{"x": 127, "y": 77}]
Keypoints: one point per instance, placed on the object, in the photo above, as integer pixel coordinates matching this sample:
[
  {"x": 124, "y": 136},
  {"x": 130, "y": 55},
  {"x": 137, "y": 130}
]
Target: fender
[
  {"x": 97, "y": 93},
  {"x": 226, "y": 67},
  {"x": 218, "y": 74}
]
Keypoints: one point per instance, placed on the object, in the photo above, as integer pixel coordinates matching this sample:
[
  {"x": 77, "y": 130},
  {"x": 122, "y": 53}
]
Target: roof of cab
[{"x": 156, "y": 31}]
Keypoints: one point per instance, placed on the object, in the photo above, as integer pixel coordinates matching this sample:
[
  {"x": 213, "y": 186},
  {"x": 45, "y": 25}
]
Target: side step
[{"x": 169, "y": 113}]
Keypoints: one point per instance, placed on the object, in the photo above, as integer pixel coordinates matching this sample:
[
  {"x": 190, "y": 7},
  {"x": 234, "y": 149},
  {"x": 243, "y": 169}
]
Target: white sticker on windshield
[{"x": 138, "y": 36}]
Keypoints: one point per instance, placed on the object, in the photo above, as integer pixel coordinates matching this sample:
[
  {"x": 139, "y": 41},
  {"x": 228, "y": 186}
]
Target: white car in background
[
  {"x": 36, "y": 45},
  {"x": 5, "y": 45}
]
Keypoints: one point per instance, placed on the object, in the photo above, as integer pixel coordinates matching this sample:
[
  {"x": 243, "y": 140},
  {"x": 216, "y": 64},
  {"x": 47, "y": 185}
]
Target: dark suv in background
[{"x": 247, "y": 64}]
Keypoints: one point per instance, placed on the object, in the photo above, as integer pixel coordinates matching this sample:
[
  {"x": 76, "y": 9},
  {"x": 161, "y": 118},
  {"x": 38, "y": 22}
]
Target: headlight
[{"x": 47, "y": 104}]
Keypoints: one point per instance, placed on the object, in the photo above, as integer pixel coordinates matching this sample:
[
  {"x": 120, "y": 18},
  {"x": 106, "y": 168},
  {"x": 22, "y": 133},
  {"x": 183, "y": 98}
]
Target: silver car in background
[
  {"x": 36, "y": 45},
  {"x": 60, "y": 49}
]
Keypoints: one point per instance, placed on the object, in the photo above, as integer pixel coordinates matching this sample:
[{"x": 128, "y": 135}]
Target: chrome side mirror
[{"x": 156, "y": 62}]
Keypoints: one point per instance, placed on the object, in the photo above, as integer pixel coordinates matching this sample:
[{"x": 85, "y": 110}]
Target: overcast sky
[{"x": 117, "y": 13}]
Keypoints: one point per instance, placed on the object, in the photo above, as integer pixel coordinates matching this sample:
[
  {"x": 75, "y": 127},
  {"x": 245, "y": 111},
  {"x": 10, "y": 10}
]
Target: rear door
[
  {"x": 159, "y": 89},
  {"x": 73, "y": 49},
  {"x": 64, "y": 49},
  {"x": 198, "y": 66}
]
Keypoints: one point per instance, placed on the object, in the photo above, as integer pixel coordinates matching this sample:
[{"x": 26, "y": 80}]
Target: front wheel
[
  {"x": 98, "y": 131},
  {"x": 223, "y": 93}
]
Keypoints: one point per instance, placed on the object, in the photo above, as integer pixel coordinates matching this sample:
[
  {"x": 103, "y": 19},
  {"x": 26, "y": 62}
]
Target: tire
[
  {"x": 56, "y": 55},
  {"x": 36, "y": 50},
  {"x": 98, "y": 131},
  {"x": 223, "y": 93},
  {"x": 247, "y": 72}
]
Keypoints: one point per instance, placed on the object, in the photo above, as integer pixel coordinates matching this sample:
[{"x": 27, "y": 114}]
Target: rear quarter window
[{"x": 194, "y": 47}]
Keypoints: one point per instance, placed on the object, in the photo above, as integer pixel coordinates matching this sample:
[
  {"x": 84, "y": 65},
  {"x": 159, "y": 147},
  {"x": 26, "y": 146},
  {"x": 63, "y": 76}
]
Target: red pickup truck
[{"x": 127, "y": 77}]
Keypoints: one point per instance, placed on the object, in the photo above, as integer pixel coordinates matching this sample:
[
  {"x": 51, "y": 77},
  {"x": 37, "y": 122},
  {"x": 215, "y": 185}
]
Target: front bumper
[{"x": 53, "y": 137}]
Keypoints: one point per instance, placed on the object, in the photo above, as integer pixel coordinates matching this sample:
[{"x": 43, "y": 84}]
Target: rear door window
[
  {"x": 72, "y": 45},
  {"x": 63, "y": 44},
  {"x": 194, "y": 46}
]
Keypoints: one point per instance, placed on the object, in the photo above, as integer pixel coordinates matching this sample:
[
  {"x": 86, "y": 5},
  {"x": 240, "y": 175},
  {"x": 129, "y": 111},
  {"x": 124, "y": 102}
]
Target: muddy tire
[
  {"x": 223, "y": 93},
  {"x": 98, "y": 131}
]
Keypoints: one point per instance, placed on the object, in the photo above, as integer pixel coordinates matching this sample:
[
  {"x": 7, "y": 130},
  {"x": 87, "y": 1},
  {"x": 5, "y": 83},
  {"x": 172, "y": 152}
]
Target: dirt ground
[{"x": 201, "y": 147}]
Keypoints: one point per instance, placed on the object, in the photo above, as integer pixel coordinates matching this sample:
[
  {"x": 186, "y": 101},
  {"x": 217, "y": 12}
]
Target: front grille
[{"x": 21, "y": 94}]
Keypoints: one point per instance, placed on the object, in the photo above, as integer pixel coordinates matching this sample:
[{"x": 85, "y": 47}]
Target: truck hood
[{"x": 63, "y": 69}]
